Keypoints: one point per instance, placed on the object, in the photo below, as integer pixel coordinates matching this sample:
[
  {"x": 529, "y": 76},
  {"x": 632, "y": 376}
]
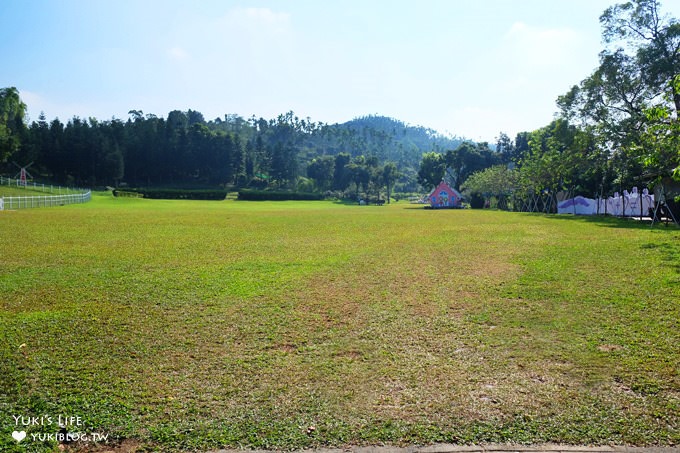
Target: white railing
[
  {"x": 43, "y": 201},
  {"x": 62, "y": 195}
]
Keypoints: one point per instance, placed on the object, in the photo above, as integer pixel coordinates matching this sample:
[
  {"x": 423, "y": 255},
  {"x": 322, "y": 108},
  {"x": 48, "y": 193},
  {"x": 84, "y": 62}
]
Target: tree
[
  {"x": 360, "y": 173},
  {"x": 235, "y": 159},
  {"x": 612, "y": 99},
  {"x": 54, "y": 156},
  {"x": 389, "y": 176},
  {"x": 505, "y": 147},
  {"x": 36, "y": 144},
  {"x": 321, "y": 171},
  {"x": 561, "y": 156},
  {"x": 498, "y": 181},
  {"x": 12, "y": 126},
  {"x": 249, "y": 164},
  {"x": 432, "y": 169},
  {"x": 654, "y": 38},
  {"x": 342, "y": 177},
  {"x": 635, "y": 72},
  {"x": 283, "y": 163},
  {"x": 468, "y": 158},
  {"x": 112, "y": 164},
  {"x": 185, "y": 149},
  {"x": 521, "y": 145},
  {"x": 660, "y": 149}
]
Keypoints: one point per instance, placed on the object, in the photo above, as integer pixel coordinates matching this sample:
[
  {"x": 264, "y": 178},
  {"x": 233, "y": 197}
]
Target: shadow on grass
[
  {"x": 402, "y": 204},
  {"x": 347, "y": 203},
  {"x": 416, "y": 206},
  {"x": 669, "y": 251},
  {"x": 668, "y": 248},
  {"x": 611, "y": 221},
  {"x": 666, "y": 245}
]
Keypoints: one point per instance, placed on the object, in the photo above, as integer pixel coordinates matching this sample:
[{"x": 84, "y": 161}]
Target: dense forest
[{"x": 184, "y": 150}]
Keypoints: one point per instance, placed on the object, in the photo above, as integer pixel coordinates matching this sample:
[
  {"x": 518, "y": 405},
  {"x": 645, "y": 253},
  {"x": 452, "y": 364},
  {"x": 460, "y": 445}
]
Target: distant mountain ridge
[{"x": 387, "y": 138}]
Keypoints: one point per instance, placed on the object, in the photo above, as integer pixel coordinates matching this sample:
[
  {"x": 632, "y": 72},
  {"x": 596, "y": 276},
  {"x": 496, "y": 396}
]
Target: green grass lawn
[
  {"x": 30, "y": 191},
  {"x": 198, "y": 325}
]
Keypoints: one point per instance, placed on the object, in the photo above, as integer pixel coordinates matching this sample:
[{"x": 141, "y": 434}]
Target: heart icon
[{"x": 19, "y": 435}]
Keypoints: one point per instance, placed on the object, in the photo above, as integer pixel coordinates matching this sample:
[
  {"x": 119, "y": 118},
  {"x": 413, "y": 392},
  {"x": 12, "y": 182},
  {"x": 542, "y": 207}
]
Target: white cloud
[
  {"x": 483, "y": 123},
  {"x": 36, "y": 103},
  {"x": 530, "y": 67},
  {"x": 539, "y": 48},
  {"x": 266, "y": 15},
  {"x": 30, "y": 98},
  {"x": 258, "y": 20},
  {"x": 257, "y": 39},
  {"x": 177, "y": 54}
]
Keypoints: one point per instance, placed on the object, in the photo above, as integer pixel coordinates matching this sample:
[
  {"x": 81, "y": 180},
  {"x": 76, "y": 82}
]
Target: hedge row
[
  {"x": 126, "y": 193},
  {"x": 262, "y": 195},
  {"x": 177, "y": 194}
]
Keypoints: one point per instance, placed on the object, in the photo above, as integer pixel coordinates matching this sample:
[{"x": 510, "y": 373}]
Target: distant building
[{"x": 443, "y": 196}]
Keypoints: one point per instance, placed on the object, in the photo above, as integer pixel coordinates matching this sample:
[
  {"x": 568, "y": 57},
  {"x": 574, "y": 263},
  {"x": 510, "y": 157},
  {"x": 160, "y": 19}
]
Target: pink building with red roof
[{"x": 443, "y": 196}]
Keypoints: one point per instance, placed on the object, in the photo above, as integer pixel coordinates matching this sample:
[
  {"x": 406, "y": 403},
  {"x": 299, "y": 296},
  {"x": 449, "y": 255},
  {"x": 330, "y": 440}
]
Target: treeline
[
  {"x": 616, "y": 129},
  {"x": 364, "y": 156}
]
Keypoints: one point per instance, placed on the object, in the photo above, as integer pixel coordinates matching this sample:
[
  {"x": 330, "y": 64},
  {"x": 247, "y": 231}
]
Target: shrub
[
  {"x": 476, "y": 201},
  {"x": 126, "y": 193},
  {"x": 261, "y": 195},
  {"x": 181, "y": 194}
]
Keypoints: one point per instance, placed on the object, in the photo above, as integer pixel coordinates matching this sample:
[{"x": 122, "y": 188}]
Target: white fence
[
  {"x": 43, "y": 201},
  {"x": 63, "y": 196}
]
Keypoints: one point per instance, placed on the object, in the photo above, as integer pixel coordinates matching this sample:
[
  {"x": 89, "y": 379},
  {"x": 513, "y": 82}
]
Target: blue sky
[{"x": 469, "y": 68}]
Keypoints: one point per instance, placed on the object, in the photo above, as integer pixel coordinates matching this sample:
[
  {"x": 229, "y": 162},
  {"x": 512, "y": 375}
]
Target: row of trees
[
  {"x": 182, "y": 149},
  {"x": 458, "y": 164},
  {"x": 367, "y": 155},
  {"x": 342, "y": 172},
  {"x": 616, "y": 129}
]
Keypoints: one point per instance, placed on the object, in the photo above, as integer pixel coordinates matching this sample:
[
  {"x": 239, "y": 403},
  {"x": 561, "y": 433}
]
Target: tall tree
[
  {"x": 238, "y": 160},
  {"x": 38, "y": 142},
  {"x": 504, "y": 147},
  {"x": 321, "y": 171},
  {"x": 432, "y": 169},
  {"x": 636, "y": 71},
  {"x": 654, "y": 38},
  {"x": 389, "y": 175},
  {"x": 660, "y": 146},
  {"x": 468, "y": 158},
  {"x": 12, "y": 125},
  {"x": 360, "y": 173},
  {"x": 342, "y": 176},
  {"x": 521, "y": 145},
  {"x": 54, "y": 158}
]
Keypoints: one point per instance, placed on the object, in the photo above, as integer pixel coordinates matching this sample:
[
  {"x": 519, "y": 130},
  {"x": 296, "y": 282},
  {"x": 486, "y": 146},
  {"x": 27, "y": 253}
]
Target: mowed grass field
[
  {"x": 171, "y": 325},
  {"x": 14, "y": 191},
  {"x": 30, "y": 191}
]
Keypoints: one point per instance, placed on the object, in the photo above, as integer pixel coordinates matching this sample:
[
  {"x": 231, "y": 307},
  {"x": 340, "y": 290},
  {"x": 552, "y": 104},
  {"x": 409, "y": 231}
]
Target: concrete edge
[{"x": 493, "y": 448}]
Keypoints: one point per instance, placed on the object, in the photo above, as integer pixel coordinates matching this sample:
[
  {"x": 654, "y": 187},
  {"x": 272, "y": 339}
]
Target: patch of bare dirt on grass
[
  {"x": 285, "y": 347},
  {"x": 396, "y": 316},
  {"x": 124, "y": 446},
  {"x": 351, "y": 354},
  {"x": 609, "y": 347},
  {"x": 421, "y": 282}
]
